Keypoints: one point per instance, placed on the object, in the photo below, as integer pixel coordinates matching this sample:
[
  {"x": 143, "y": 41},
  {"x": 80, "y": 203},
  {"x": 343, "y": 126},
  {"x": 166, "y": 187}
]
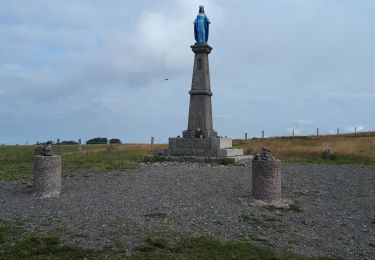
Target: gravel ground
[{"x": 336, "y": 202}]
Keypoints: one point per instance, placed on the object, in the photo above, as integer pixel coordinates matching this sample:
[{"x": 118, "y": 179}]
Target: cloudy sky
[{"x": 74, "y": 69}]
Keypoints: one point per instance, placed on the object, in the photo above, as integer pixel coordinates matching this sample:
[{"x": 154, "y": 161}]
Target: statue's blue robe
[{"x": 201, "y": 29}]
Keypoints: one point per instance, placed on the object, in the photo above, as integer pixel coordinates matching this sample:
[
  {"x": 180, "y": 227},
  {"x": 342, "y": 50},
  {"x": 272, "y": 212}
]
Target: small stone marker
[
  {"x": 47, "y": 172},
  {"x": 266, "y": 177},
  {"x": 327, "y": 154}
]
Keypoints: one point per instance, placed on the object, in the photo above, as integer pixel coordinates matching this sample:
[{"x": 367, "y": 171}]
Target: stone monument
[
  {"x": 47, "y": 172},
  {"x": 200, "y": 141},
  {"x": 266, "y": 177}
]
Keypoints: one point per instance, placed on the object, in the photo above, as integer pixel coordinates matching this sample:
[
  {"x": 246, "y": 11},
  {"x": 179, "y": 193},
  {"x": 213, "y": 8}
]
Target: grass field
[
  {"x": 16, "y": 162},
  {"x": 359, "y": 148}
]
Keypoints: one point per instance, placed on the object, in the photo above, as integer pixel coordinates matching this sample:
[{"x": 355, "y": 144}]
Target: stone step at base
[
  {"x": 219, "y": 160},
  {"x": 230, "y": 152}
]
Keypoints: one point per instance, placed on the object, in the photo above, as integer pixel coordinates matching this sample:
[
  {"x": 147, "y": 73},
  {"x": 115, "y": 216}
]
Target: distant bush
[
  {"x": 98, "y": 140},
  {"x": 68, "y": 142},
  {"x": 115, "y": 141}
]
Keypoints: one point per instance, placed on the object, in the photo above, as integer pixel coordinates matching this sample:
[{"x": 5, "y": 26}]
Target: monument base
[{"x": 213, "y": 149}]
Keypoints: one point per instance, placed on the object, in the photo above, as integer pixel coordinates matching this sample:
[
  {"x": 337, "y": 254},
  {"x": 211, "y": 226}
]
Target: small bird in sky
[{"x": 166, "y": 79}]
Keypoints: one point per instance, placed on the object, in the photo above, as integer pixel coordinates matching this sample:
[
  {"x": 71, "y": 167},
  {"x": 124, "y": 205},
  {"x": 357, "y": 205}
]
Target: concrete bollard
[
  {"x": 47, "y": 172},
  {"x": 266, "y": 177},
  {"x": 47, "y": 176}
]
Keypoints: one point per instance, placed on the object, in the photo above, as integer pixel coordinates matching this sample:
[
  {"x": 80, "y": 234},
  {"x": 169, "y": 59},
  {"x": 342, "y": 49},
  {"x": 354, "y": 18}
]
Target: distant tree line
[
  {"x": 98, "y": 140},
  {"x": 115, "y": 141},
  {"x": 103, "y": 140},
  {"x": 68, "y": 142}
]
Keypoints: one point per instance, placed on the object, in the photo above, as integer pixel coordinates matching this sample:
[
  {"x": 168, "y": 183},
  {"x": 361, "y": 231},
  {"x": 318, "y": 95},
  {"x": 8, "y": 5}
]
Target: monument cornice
[
  {"x": 200, "y": 92},
  {"x": 201, "y": 48}
]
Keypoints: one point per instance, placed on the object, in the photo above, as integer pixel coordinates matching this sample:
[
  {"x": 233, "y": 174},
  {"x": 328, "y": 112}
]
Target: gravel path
[{"x": 337, "y": 205}]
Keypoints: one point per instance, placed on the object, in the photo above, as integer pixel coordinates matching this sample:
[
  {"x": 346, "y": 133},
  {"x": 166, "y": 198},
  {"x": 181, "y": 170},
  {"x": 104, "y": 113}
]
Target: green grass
[
  {"x": 18, "y": 244},
  {"x": 211, "y": 248},
  {"x": 16, "y": 162}
]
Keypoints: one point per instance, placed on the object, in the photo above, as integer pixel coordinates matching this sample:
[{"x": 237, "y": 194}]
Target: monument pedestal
[{"x": 212, "y": 149}]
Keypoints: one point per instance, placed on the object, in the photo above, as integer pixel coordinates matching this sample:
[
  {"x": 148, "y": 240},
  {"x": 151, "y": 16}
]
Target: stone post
[
  {"x": 266, "y": 177},
  {"x": 47, "y": 172}
]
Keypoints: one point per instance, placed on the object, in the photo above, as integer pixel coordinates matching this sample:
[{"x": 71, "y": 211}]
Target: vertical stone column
[
  {"x": 200, "y": 108},
  {"x": 266, "y": 177},
  {"x": 47, "y": 172}
]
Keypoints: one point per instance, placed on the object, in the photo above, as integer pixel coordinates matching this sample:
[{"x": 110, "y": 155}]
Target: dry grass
[{"x": 358, "y": 148}]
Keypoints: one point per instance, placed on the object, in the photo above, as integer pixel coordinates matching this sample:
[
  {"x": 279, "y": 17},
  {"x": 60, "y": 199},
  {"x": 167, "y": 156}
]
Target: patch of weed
[
  {"x": 273, "y": 208},
  {"x": 294, "y": 207},
  {"x": 157, "y": 242},
  {"x": 258, "y": 238},
  {"x": 226, "y": 161}
]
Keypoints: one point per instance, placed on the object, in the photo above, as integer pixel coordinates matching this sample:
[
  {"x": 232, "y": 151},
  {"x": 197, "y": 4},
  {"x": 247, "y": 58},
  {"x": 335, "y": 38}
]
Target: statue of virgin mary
[{"x": 201, "y": 26}]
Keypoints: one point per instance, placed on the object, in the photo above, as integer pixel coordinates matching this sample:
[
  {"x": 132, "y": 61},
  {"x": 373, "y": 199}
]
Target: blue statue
[{"x": 201, "y": 26}]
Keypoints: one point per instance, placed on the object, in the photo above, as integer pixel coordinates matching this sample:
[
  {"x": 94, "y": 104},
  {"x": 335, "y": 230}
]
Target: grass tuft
[
  {"x": 294, "y": 207},
  {"x": 226, "y": 161},
  {"x": 157, "y": 242}
]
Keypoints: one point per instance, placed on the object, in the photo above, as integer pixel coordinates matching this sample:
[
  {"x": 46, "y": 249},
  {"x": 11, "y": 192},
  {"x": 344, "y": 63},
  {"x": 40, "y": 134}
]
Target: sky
[{"x": 73, "y": 69}]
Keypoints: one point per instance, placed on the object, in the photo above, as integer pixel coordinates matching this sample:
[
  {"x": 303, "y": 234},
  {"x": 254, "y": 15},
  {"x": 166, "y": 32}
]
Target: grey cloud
[{"x": 275, "y": 65}]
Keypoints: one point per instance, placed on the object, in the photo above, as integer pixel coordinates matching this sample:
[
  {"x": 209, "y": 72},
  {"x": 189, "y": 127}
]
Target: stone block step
[{"x": 230, "y": 152}]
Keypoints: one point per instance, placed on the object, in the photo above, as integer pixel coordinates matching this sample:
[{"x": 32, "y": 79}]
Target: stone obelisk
[
  {"x": 200, "y": 142},
  {"x": 200, "y": 108}
]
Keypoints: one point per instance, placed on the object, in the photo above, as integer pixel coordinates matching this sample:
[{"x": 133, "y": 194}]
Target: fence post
[
  {"x": 79, "y": 145},
  {"x": 317, "y": 132},
  {"x": 245, "y": 136},
  {"x": 293, "y": 132},
  {"x": 263, "y": 134},
  {"x": 338, "y": 131},
  {"x": 58, "y": 145},
  {"x": 355, "y": 130},
  {"x": 152, "y": 142}
]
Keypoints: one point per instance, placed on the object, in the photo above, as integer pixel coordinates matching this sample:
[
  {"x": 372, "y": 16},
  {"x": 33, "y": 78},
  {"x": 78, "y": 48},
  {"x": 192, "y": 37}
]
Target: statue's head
[{"x": 201, "y": 9}]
